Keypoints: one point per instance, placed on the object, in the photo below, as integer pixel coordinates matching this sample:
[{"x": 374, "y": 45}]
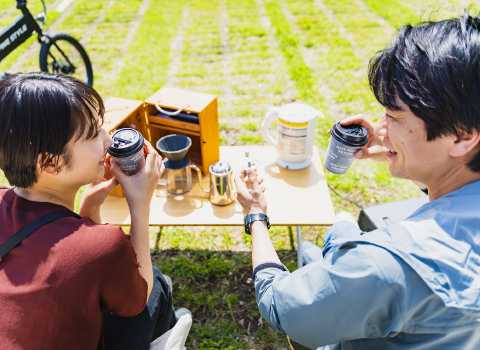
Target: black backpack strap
[{"x": 32, "y": 227}]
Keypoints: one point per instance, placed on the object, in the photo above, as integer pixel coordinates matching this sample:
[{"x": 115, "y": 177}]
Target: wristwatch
[{"x": 254, "y": 217}]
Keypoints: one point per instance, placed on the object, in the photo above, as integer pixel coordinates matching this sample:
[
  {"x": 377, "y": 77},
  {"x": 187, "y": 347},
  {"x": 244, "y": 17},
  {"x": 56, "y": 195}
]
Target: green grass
[
  {"x": 252, "y": 55},
  {"x": 300, "y": 73}
]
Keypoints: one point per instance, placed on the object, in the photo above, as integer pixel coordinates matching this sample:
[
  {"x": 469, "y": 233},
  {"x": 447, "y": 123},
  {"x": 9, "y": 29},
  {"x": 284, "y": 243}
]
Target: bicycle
[{"x": 59, "y": 54}]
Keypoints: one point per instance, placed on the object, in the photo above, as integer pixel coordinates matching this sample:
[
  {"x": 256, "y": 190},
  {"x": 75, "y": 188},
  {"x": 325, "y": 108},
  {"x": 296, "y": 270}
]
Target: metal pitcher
[{"x": 222, "y": 188}]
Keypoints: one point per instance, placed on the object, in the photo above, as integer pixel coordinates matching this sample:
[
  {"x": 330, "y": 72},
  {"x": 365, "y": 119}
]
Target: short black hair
[
  {"x": 434, "y": 68},
  {"x": 39, "y": 114}
]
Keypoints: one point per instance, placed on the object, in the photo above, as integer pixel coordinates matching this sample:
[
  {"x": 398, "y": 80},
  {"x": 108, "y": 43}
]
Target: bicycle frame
[{"x": 19, "y": 31}]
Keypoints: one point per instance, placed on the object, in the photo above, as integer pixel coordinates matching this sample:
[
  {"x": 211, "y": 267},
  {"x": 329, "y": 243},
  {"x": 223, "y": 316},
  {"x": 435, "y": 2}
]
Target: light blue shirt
[{"x": 414, "y": 285}]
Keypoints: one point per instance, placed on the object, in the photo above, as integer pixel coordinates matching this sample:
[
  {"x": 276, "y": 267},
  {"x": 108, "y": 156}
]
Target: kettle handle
[
  {"x": 265, "y": 129},
  {"x": 199, "y": 173}
]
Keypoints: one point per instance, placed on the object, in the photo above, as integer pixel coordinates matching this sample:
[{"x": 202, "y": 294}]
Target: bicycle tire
[{"x": 63, "y": 54}]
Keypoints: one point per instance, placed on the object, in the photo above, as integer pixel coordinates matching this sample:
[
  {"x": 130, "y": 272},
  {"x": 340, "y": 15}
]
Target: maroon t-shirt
[{"x": 55, "y": 284}]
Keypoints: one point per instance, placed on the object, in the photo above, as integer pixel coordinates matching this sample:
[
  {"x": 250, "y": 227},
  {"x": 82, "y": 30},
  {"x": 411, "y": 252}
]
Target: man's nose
[{"x": 381, "y": 127}]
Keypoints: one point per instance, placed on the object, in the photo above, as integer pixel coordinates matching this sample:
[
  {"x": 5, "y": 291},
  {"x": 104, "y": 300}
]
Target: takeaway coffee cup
[
  {"x": 127, "y": 150},
  {"x": 345, "y": 140}
]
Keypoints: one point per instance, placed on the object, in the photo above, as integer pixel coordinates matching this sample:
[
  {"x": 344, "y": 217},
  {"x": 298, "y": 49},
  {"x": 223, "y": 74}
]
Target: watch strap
[{"x": 254, "y": 217}]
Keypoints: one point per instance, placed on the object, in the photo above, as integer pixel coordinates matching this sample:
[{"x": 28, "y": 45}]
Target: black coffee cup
[
  {"x": 345, "y": 140},
  {"x": 127, "y": 150}
]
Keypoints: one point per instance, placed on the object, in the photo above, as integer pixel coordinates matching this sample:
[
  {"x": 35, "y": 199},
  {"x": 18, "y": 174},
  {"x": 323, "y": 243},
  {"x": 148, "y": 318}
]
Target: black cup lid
[
  {"x": 125, "y": 141},
  {"x": 354, "y": 133}
]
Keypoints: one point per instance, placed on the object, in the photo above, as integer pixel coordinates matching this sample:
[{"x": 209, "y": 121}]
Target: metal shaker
[{"x": 222, "y": 188}]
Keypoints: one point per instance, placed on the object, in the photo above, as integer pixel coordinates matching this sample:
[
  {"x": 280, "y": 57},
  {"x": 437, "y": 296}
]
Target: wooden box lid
[
  {"x": 173, "y": 98},
  {"x": 117, "y": 109}
]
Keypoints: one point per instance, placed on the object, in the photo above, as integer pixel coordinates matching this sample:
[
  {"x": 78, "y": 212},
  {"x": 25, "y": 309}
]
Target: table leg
[{"x": 299, "y": 246}]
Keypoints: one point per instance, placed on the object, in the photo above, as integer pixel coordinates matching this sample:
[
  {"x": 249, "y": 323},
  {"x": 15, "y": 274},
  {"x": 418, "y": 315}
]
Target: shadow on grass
[{"x": 217, "y": 287}]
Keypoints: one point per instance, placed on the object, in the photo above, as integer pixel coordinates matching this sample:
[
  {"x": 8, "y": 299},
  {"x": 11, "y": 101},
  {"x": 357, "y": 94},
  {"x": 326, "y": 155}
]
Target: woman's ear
[
  {"x": 50, "y": 168},
  {"x": 464, "y": 143}
]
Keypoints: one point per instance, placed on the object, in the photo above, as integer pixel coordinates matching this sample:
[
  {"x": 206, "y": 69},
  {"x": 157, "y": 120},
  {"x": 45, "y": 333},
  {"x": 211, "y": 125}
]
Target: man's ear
[
  {"x": 49, "y": 169},
  {"x": 464, "y": 143}
]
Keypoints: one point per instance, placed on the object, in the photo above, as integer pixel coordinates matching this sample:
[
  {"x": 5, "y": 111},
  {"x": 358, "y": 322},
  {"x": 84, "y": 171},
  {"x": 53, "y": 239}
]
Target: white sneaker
[
  {"x": 180, "y": 312},
  {"x": 176, "y": 337}
]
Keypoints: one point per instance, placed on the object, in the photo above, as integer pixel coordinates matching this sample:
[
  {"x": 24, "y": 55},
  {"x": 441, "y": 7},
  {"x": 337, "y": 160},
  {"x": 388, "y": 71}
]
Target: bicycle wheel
[{"x": 63, "y": 54}]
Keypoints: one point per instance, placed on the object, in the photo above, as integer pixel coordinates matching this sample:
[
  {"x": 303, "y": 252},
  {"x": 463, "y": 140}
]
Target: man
[{"x": 415, "y": 284}]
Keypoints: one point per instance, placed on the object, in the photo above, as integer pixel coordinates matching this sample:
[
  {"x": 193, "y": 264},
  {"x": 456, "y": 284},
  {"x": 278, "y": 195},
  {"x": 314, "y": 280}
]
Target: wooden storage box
[
  {"x": 197, "y": 119},
  {"x": 124, "y": 113}
]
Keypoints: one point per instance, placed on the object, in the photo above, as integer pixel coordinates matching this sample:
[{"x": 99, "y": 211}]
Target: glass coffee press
[{"x": 177, "y": 165}]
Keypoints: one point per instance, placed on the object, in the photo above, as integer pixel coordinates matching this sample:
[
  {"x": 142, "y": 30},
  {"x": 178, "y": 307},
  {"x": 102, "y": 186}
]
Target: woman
[{"x": 57, "y": 285}]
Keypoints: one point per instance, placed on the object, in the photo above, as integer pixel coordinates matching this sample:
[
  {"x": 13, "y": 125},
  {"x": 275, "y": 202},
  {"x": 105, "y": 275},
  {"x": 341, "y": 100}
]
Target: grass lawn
[{"x": 252, "y": 54}]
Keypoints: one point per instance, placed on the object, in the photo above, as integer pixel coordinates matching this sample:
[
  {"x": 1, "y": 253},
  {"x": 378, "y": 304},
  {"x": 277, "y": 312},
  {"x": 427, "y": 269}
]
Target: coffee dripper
[{"x": 177, "y": 166}]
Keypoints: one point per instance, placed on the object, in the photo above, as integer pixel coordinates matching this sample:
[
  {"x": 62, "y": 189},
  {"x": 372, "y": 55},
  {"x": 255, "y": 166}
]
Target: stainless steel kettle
[{"x": 222, "y": 188}]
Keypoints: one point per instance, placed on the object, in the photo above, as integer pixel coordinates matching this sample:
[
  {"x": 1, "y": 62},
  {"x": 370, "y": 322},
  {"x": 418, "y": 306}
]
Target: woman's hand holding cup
[
  {"x": 93, "y": 197},
  {"x": 139, "y": 188}
]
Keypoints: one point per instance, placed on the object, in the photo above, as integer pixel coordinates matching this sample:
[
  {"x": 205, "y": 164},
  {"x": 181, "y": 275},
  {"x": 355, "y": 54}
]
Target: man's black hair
[
  {"x": 39, "y": 114},
  {"x": 434, "y": 68}
]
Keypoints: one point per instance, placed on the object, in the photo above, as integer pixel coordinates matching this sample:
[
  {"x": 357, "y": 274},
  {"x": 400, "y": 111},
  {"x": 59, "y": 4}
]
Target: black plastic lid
[
  {"x": 353, "y": 134},
  {"x": 176, "y": 165},
  {"x": 125, "y": 143}
]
